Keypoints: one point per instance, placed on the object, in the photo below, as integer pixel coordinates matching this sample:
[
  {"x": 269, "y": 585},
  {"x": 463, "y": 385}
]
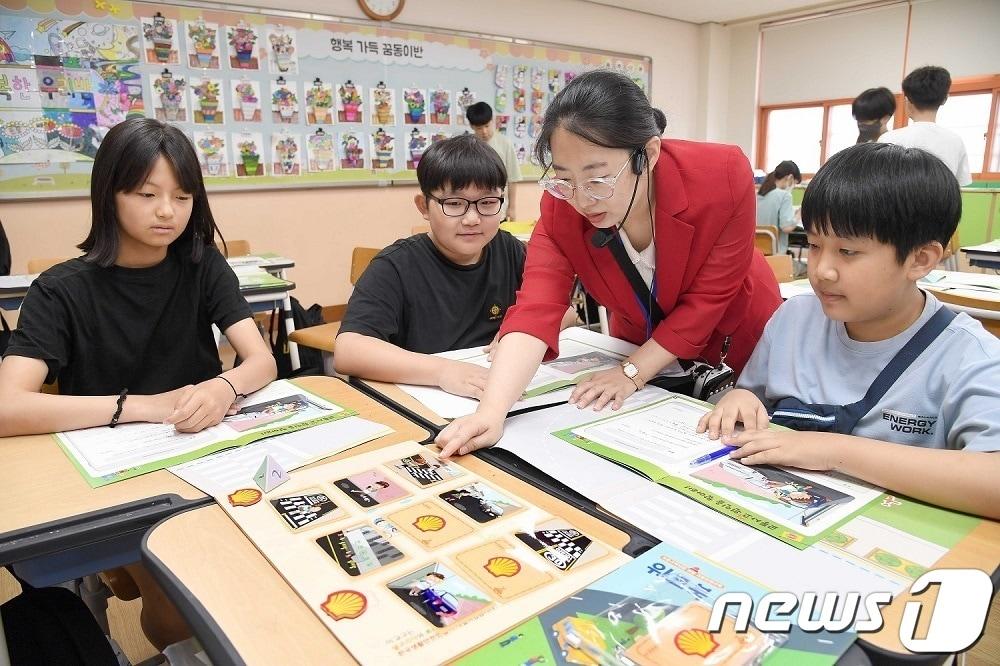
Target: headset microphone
[{"x": 602, "y": 237}]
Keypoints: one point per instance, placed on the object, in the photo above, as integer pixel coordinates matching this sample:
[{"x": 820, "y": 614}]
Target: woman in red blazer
[{"x": 685, "y": 215}]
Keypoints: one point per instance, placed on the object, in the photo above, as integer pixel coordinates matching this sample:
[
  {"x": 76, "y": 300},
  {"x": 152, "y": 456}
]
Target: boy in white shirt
[
  {"x": 925, "y": 90},
  {"x": 880, "y": 380}
]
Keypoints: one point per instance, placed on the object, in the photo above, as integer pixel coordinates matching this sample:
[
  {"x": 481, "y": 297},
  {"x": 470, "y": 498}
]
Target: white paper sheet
[
  {"x": 104, "y": 451},
  {"x": 573, "y": 342},
  {"x": 215, "y": 473}
]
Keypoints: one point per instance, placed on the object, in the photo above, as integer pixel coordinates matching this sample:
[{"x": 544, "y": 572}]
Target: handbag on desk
[{"x": 702, "y": 381}]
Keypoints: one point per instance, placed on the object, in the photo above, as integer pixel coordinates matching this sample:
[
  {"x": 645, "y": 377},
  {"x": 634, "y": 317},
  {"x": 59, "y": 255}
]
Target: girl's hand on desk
[
  {"x": 469, "y": 433},
  {"x": 201, "y": 406},
  {"x": 601, "y": 388},
  {"x": 460, "y": 378},
  {"x": 737, "y": 405},
  {"x": 805, "y": 450}
]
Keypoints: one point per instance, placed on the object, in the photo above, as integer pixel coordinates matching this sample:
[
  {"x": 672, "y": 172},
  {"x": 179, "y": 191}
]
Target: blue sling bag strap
[{"x": 793, "y": 413}]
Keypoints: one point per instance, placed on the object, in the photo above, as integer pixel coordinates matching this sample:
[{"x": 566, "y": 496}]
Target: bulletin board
[{"x": 270, "y": 99}]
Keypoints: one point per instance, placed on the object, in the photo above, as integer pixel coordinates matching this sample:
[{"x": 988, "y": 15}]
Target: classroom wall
[{"x": 319, "y": 228}]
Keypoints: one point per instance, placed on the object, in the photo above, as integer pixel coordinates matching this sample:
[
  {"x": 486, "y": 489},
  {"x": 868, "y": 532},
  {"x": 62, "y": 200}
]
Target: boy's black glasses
[{"x": 457, "y": 207}]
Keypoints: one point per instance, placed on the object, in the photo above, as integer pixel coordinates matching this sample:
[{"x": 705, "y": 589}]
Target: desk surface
[
  {"x": 217, "y": 577},
  {"x": 48, "y": 489}
]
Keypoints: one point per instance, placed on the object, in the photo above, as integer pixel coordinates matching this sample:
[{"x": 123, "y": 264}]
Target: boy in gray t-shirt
[{"x": 877, "y": 217}]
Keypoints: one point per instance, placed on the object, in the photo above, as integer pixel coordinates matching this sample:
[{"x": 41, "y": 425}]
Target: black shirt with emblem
[
  {"x": 415, "y": 298},
  {"x": 100, "y": 330}
]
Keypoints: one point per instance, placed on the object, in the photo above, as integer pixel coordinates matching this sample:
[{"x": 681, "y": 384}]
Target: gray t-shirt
[{"x": 948, "y": 398}]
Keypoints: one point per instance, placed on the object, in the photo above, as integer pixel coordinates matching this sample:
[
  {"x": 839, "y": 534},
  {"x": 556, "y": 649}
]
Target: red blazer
[{"x": 711, "y": 281}]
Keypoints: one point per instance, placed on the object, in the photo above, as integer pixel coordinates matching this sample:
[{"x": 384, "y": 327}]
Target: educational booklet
[
  {"x": 255, "y": 277},
  {"x": 581, "y": 352},
  {"x": 655, "y": 610},
  {"x": 105, "y": 455},
  {"x": 659, "y": 441},
  {"x": 413, "y": 560}
]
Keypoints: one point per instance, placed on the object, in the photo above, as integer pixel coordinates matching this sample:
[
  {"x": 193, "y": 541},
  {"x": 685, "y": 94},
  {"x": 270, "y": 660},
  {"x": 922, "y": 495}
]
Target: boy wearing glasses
[{"x": 443, "y": 290}]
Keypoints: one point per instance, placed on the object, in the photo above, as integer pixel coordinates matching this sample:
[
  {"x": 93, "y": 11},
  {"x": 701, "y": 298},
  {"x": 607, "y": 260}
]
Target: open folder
[{"x": 658, "y": 441}]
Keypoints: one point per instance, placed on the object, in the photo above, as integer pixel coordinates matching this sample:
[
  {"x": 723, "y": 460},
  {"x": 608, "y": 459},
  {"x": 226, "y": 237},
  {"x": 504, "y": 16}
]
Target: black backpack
[
  {"x": 310, "y": 360},
  {"x": 51, "y": 625}
]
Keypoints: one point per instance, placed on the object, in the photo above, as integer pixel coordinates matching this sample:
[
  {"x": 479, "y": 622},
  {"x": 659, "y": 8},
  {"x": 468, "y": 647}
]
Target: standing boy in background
[
  {"x": 480, "y": 117},
  {"x": 926, "y": 89}
]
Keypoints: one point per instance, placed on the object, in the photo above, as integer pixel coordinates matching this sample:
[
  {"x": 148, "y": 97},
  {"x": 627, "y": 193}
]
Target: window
[
  {"x": 843, "y": 130},
  {"x": 809, "y": 133},
  {"x": 969, "y": 115},
  {"x": 796, "y": 135}
]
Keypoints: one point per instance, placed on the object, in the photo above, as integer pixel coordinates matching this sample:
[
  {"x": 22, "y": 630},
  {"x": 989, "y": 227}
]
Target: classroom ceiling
[{"x": 721, "y": 11}]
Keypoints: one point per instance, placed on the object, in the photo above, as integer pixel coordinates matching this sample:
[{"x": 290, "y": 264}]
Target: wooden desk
[
  {"x": 237, "y": 603},
  {"x": 58, "y": 511}
]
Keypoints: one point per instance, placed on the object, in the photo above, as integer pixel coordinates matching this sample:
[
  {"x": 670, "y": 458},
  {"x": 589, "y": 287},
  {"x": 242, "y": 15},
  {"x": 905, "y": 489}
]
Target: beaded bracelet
[{"x": 118, "y": 411}]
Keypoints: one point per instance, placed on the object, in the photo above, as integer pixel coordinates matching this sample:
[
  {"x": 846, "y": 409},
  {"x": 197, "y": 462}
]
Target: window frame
[{"x": 980, "y": 84}]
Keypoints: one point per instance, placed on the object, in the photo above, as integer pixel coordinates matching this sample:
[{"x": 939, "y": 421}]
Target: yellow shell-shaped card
[
  {"x": 429, "y": 523},
  {"x": 695, "y": 642},
  {"x": 345, "y": 605},
  {"x": 245, "y": 497},
  {"x": 503, "y": 566}
]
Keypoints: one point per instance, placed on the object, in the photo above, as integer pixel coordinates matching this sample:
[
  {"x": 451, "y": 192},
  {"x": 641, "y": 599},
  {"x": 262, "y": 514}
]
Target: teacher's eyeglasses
[
  {"x": 457, "y": 206},
  {"x": 595, "y": 188}
]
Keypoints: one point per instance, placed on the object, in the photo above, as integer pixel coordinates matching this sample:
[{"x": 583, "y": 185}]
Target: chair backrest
[
  {"x": 236, "y": 248},
  {"x": 419, "y": 229},
  {"x": 984, "y": 305},
  {"x": 781, "y": 264},
  {"x": 766, "y": 239},
  {"x": 360, "y": 258},
  {"x": 44, "y": 264}
]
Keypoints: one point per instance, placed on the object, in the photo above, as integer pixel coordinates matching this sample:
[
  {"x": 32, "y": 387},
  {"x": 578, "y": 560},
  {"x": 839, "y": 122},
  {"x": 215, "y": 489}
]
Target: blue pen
[{"x": 709, "y": 457}]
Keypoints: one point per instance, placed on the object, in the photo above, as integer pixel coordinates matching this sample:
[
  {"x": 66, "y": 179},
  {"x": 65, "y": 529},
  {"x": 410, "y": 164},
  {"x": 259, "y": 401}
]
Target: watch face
[{"x": 629, "y": 369}]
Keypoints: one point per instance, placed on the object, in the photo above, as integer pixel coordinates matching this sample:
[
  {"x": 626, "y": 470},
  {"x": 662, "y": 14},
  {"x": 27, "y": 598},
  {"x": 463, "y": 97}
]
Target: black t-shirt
[
  {"x": 413, "y": 297},
  {"x": 91, "y": 324}
]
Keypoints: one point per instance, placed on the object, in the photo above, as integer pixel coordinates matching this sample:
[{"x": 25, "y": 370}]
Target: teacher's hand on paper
[
  {"x": 792, "y": 448},
  {"x": 492, "y": 347},
  {"x": 737, "y": 405},
  {"x": 461, "y": 378},
  {"x": 201, "y": 406},
  {"x": 601, "y": 388},
  {"x": 469, "y": 433}
]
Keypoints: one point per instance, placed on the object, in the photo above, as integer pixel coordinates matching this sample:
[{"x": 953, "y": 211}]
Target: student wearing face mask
[{"x": 660, "y": 232}]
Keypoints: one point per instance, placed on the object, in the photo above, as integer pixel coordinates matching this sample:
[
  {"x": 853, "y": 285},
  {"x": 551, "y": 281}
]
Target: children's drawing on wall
[
  {"x": 415, "y": 147},
  {"x": 352, "y": 151},
  {"x": 159, "y": 38},
  {"x": 246, "y": 148},
  {"x": 284, "y": 101},
  {"x": 285, "y": 154},
  {"x": 202, "y": 41},
  {"x": 383, "y": 105},
  {"x": 383, "y": 147},
  {"x": 416, "y": 106},
  {"x": 168, "y": 97},
  {"x": 466, "y": 98},
  {"x": 321, "y": 153},
  {"x": 282, "y": 52},
  {"x": 319, "y": 103},
  {"x": 211, "y": 149},
  {"x": 349, "y": 102},
  {"x": 242, "y": 47},
  {"x": 206, "y": 101},
  {"x": 246, "y": 101},
  {"x": 440, "y": 107}
]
